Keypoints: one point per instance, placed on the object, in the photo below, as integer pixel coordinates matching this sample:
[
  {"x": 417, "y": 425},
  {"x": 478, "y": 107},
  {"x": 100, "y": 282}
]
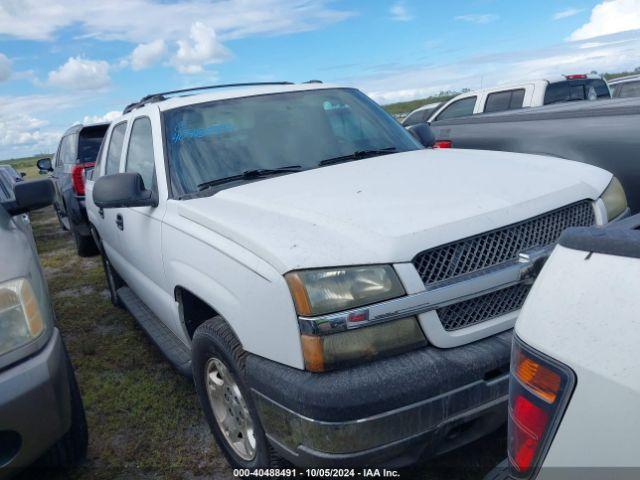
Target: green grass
[
  {"x": 26, "y": 165},
  {"x": 144, "y": 419}
]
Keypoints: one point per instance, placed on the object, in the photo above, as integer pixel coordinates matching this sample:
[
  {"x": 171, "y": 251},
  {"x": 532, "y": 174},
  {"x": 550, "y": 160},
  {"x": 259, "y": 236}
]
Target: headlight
[
  {"x": 317, "y": 292},
  {"x": 614, "y": 198},
  {"x": 20, "y": 317},
  {"x": 328, "y": 352}
]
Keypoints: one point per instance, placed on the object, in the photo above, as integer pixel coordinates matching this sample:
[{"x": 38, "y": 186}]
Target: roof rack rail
[{"x": 158, "y": 97}]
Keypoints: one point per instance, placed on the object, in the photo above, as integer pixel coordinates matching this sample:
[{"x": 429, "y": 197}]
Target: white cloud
[
  {"x": 138, "y": 21},
  {"x": 81, "y": 74},
  {"x": 22, "y": 132},
  {"x": 478, "y": 18},
  {"x": 107, "y": 117},
  {"x": 611, "y": 16},
  {"x": 146, "y": 54},
  {"x": 399, "y": 12},
  {"x": 566, "y": 13},
  {"x": 202, "y": 48}
]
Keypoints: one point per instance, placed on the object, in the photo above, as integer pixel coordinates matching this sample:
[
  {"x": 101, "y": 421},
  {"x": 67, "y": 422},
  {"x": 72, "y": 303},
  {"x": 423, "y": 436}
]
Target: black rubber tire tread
[
  {"x": 85, "y": 246},
  {"x": 118, "y": 282},
  {"x": 71, "y": 449},
  {"x": 215, "y": 336}
]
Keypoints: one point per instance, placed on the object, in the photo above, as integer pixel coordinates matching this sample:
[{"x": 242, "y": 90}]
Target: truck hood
[{"x": 387, "y": 209}]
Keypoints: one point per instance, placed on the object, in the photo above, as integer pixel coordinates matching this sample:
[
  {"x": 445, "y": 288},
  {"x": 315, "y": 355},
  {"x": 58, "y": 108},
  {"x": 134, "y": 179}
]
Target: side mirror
[
  {"x": 122, "y": 190},
  {"x": 44, "y": 165},
  {"x": 29, "y": 196},
  {"x": 23, "y": 174},
  {"x": 422, "y": 132}
]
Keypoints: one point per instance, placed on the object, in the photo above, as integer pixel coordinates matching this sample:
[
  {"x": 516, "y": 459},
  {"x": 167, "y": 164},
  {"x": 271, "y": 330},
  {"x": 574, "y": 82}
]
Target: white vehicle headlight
[
  {"x": 317, "y": 292},
  {"x": 20, "y": 317},
  {"x": 614, "y": 199}
]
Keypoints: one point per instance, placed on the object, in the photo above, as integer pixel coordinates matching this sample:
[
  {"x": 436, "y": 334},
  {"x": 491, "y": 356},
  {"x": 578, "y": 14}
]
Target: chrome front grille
[
  {"x": 483, "y": 308},
  {"x": 493, "y": 248}
]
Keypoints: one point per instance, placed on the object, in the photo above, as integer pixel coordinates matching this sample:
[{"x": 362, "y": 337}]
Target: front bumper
[
  {"x": 35, "y": 407},
  {"x": 392, "y": 412}
]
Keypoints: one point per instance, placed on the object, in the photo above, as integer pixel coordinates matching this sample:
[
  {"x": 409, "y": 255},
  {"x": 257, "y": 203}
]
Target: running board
[{"x": 165, "y": 339}]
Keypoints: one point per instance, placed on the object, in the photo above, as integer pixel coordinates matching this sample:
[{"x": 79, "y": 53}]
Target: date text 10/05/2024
[{"x": 317, "y": 473}]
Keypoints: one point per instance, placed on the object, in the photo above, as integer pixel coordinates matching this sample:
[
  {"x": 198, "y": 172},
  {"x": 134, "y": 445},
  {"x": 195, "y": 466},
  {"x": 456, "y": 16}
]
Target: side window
[
  {"x": 459, "y": 108},
  {"x": 58, "y": 162},
  {"x": 114, "y": 152},
  {"x": 69, "y": 150},
  {"x": 508, "y": 100},
  {"x": 140, "y": 152}
]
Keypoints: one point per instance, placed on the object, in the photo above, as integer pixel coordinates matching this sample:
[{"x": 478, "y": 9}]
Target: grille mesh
[
  {"x": 483, "y": 308},
  {"x": 501, "y": 245}
]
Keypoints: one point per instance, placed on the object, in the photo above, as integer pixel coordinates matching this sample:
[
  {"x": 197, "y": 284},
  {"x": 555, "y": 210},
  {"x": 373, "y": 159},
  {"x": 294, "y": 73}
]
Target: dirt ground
[{"x": 144, "y": 418}]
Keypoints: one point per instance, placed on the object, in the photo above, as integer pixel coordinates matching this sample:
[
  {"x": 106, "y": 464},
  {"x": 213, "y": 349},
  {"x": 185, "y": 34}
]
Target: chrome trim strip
[
  {"x": 525, "y": 269},
  {"x": 294, "y": 430}
]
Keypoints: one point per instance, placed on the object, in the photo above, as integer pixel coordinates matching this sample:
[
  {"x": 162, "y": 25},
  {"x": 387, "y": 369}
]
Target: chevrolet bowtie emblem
[{"x": 531, "y": 265}]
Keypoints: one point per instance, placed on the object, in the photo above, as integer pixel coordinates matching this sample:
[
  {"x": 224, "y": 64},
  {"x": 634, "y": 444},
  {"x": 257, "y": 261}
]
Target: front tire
[
  {"x": 71, "y": 449},
  {"x": 218, "y": 368},
  {"x": 85, "y": 246},
  {"x": 114, "y": 281}
]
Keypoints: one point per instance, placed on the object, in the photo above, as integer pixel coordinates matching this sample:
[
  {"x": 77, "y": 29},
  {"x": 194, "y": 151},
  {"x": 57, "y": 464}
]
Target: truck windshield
[
  {"x": 572, "y": 90},
  {"x": 226, "y": 138}
]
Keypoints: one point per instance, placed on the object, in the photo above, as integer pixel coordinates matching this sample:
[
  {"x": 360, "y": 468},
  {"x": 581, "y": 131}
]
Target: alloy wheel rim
[{"x": 230, "y": 409}]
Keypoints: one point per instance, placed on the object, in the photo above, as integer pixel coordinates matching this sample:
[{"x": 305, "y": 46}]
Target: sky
[{"x": 69, "y": 61}]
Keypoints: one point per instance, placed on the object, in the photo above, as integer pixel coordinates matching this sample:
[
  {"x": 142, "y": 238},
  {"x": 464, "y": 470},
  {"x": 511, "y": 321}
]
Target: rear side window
[
  {"x": 89, "y": 143},
  {"x": 140, "y": 152},
  {"x": 572, "y": 90},
  {"x": 69, "y": 150},
  {"x": 626, "y": 90},
  {"x": 115, "y": 149},
  {"x": 460, "y": 108},
  {"x": 507, "y": 100}
]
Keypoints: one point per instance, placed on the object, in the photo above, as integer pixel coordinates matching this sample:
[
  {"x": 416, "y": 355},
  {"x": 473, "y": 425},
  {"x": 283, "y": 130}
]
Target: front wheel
[
  {"x": 114, "y": 281},
  {"x": 85, "y": 246},
  {"x": 218, "y": 368}
]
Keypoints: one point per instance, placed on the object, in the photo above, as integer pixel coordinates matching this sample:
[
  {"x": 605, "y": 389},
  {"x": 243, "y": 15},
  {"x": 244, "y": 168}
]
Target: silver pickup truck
[{"x": 604, "y": 133}]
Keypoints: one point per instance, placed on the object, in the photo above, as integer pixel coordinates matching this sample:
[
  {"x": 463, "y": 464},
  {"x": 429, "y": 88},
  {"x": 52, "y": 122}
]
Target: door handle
[
  {"x": 120, "y": 222},
  {"x": 101, "y": 212}
]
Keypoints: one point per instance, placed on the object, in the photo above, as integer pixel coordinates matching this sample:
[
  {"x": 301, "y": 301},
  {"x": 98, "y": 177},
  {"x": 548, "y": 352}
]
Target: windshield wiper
[
  {"x": 358, "y": 155},
  {"x": 249, "y": 175}
]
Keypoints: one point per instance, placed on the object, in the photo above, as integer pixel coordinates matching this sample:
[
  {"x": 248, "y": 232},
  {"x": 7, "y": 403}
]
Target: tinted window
[
  {"x": 89, "y": 144},
  {"x": 421, "y": 116},
  {"x": 115, "y": 149},
  {"x": 625, "y": 90},
  {"x": 507, "y": 100},
  {"x": 221, "y": 139},
  {"x": 140, "y": 152},
  {"x": 68, "y": 150},
  {"x": 459, "y": 108},
  {"x": 572, "y": 90}
]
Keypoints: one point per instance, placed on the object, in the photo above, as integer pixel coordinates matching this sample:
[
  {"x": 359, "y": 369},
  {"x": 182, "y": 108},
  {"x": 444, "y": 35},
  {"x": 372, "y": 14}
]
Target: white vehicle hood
[{"x": 387, "y": 209}]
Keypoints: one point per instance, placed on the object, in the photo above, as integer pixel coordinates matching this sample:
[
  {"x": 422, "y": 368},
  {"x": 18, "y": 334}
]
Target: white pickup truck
[
  {"x": 341, "y": 294},
  {"x": 533, "y": 93}
]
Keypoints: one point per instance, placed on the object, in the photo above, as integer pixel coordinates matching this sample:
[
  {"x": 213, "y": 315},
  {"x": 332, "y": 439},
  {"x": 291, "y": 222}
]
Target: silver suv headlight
[
  {"x": 322, "y": 291},
  {"x": 614, "y": 199},
  {"x": 21, "y": 320}
]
